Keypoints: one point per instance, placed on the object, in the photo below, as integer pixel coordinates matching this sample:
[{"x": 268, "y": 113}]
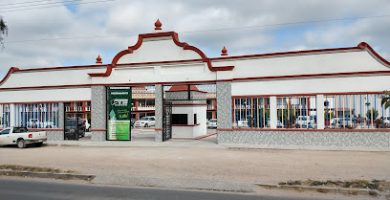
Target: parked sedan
[
  {"x": 242, "y": 123},
  {"x": 212, "y": 123},
  {"x": 145, "y": 122}
]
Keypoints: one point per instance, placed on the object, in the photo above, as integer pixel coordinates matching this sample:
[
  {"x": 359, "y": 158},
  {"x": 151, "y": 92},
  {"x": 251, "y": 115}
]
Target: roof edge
[
  {"x": 373, "y": 53},
  {"x": 360, "y": 46},
  {"x": 10, "y": 71}
]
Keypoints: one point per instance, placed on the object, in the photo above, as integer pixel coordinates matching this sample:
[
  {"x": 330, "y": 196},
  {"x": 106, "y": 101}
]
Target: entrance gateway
[
  {"x": 184, "y": 107},
  {"x": 185, "y": 110}
]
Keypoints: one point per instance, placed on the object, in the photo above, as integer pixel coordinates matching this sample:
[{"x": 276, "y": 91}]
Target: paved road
[{"x": 16, "y": 189}]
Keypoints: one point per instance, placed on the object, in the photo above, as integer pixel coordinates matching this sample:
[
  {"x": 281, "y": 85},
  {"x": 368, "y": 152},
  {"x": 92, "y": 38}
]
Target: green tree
[
  {"x": 3, "y": 29},
  {"x": 372, "y": 114},
  {"x": 386, "y": 99}
]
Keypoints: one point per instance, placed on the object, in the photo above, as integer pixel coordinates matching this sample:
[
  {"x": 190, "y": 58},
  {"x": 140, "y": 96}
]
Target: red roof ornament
[
  {"x": 224, "y": 51},
  {"x": 157, "y": 25},
  {"x": 99, "y": 60},
  {"x": 181, "y": 88}
]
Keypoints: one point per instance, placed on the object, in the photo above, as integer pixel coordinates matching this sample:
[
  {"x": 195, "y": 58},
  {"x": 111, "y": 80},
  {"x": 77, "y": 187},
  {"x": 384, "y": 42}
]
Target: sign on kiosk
[{"x": 119, "y": 113}]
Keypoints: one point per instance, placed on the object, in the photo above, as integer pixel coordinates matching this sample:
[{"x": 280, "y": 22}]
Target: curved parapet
[{"x": 196, "y": 56}]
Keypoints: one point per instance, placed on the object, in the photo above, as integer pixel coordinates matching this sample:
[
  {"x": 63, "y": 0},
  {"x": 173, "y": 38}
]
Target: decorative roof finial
[
  {"x": 224, "y": 51},
  {"x": 157, "y": 25},
  {"x": 99, "y": 60}
]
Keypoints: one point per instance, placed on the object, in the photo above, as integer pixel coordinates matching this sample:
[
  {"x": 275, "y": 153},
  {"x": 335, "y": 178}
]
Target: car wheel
[
  {"x": 21, "y": 144},
  {"x": 146, "y": 126},
  {"x": 39, "y": 144}
]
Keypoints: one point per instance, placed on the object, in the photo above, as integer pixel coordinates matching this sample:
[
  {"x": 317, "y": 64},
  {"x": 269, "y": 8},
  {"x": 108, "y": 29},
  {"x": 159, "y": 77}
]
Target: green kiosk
[{"x": 119, "y": 113}]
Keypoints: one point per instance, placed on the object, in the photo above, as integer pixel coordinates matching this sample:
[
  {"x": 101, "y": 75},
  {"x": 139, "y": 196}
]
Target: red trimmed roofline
[
  {"x": 105, "y": 74},
  {"x": 342, "y": 74},
  {"x": 175, "y": 38},
  {"x": 367, "y": 47},
  {"x": 60, "y": 68},
  {"x": 360, "y": 46},
  {"x": 286, "y": 53},
  {"x": 10, "y": 71},
  {"x": 15, "y": 69},
  {"x": 204, "y": 58}
]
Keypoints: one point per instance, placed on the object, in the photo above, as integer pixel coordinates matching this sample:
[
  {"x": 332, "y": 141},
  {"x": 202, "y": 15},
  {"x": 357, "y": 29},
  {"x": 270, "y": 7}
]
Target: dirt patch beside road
[
  {"x": 42, "y": 172},
  {"x": 203, "y": 166}
]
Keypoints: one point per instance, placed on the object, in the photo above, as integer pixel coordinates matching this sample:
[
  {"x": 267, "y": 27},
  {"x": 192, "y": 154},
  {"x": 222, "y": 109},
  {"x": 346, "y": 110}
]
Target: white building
[{"x": 324, "y": 98}]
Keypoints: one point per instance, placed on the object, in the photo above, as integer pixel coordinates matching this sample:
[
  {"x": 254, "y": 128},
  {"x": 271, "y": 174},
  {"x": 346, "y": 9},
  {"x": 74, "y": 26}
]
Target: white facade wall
[
  {"x": 51, "y": 77},
  {"x": 158, "y": 73},
  {"x": 46, "y": 95},
  {"x": 315, "y": 63}
]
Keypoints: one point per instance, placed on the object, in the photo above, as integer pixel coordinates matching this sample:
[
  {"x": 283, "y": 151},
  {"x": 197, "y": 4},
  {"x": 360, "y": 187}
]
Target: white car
[
  {"x": 305, "y": 122},
  {"x": 242, "y": 123},
  {"x": 21, "y": 137},
  {"x": 145, "y": 122},
  {"x": 386, "y": 121},
  {"x": 212, "y": 123}
]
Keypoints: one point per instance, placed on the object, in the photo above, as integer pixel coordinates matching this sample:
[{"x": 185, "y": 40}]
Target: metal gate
[{"x": 167, "y": 121}]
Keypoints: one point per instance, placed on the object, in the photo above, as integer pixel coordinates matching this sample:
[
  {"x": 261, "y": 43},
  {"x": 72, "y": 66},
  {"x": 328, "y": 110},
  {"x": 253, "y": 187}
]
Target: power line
[
  {"x": 65, "y": 38},
  {"x": 289, "y": 23},
  {"x": 26, "y": 2},
  {"x": 38, "y": 4},
  {"x": 69, "y": 4},
  {"x": 207, "y": 30}
]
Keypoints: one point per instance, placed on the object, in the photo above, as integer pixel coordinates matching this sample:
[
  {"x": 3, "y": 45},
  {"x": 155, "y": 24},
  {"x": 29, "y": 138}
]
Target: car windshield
[
  {"x": 20, "y": 130},
  {"x": 5, "y": 131}
]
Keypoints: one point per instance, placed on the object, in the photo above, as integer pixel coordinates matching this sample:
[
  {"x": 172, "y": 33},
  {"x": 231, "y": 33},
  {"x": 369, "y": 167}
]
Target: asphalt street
[{"x": 16, "y": 189}]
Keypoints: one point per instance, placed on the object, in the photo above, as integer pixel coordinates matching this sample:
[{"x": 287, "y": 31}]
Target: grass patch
[
  {"x": 33, "y": 169},
  {"x": 380, "y": 185}
]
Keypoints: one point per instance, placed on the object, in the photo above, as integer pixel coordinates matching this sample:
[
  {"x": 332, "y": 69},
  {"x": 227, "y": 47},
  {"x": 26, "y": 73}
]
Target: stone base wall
[
  {"x": 158, "y": 136},
  {"x": 98, "y": 136},
  {"x": 321, "y": 140},
  {"x": 55, "y": 135}
]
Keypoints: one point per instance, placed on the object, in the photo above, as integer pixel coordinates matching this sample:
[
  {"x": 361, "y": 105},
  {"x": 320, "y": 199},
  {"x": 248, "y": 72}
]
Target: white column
[
  {"x": 320, "y": 112},
  {"x": 12, "y": 113},
  {"x": 273, "y": 112}
]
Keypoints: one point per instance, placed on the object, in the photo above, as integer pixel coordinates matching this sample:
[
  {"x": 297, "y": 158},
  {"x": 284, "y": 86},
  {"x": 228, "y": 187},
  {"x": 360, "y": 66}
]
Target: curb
[
  {"x": 63, "y": 145},
  {"x": 63, "y": 176},
  {"x": 205, "y": 136},
  {"x": 168, "y": 145},
  {"x": 335, "y": 190},
  {"x": 176, "y": 183}
]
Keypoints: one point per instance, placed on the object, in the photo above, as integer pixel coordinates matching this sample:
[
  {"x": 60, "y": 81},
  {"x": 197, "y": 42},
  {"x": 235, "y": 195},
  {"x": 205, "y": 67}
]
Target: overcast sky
[{"x": 74, "y": 32}]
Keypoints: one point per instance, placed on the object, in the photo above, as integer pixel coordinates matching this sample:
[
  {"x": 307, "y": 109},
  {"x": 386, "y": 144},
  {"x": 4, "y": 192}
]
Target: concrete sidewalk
[
  {"x": 199, "y": 164},
  {"x": 207, "y": 142}
]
